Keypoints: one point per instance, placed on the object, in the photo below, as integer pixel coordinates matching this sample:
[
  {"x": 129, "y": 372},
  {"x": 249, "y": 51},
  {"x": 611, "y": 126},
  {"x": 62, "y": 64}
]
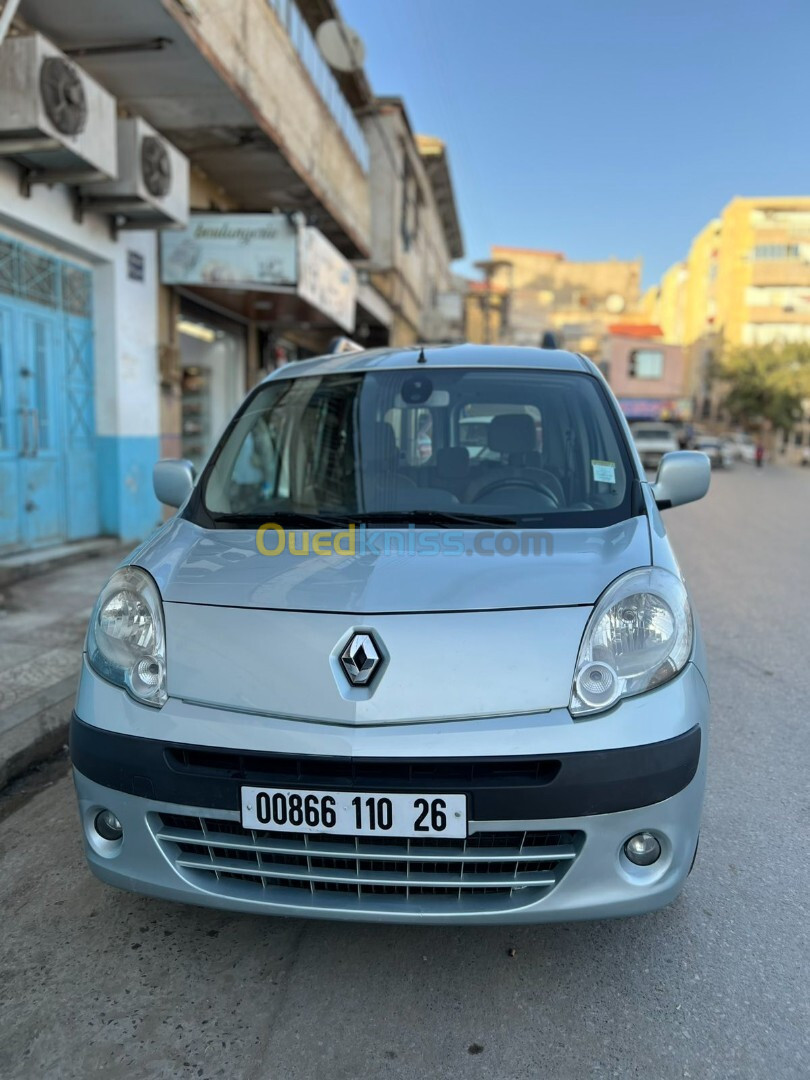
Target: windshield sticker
[{"x": 604, "y": 472}]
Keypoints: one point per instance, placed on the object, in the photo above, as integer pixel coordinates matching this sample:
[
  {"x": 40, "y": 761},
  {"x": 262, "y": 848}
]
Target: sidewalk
[{"x": 43, "y": 620}]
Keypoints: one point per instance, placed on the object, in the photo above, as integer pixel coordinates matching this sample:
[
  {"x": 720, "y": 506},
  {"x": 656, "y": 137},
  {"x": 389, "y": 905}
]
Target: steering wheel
[{"x": 534, "y": 485}]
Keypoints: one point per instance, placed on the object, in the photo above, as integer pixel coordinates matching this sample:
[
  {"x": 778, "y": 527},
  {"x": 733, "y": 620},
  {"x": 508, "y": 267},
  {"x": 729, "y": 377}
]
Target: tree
[{"x": 766, "y": 383}]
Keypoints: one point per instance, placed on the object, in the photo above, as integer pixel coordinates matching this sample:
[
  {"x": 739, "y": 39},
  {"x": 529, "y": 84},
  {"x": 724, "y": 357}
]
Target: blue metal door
[
  {"x": 48, "y": 483},
  {"x": 9, "y": 433},
  {"x": 41, "y": 460},
  {"x": 81, "y": 484}
]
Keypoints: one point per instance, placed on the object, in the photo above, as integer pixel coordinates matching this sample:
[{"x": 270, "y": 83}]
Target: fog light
[
  {"x": 108, "y": 826},
  {"x": 642, "y": 849}
]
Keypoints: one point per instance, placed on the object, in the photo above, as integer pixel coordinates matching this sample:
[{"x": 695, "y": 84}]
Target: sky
[{"x": 599, "y": 127}]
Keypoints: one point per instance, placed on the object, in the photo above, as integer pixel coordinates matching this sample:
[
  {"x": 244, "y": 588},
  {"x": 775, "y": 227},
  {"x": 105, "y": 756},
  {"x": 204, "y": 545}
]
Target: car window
[{"x": 495, "y": 443}]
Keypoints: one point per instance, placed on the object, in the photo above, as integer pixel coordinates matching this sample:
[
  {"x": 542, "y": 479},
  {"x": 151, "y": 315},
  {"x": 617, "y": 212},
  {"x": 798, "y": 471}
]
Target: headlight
[
  {"x": 126, "y": 638},
  {"x": 639, "y": 635}
]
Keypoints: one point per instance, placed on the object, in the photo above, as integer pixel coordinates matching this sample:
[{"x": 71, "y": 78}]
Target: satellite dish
[
  {"x": 341, "y": 47},
  {"x": 615, "y": 303}
]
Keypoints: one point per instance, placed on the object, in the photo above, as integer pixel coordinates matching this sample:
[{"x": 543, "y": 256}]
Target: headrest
[
  {"x": 452, "y": 462},
  {"x": 512, "y": 433}
]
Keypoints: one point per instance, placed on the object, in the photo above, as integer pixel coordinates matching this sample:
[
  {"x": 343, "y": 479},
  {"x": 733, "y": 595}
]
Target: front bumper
[{"x": 545, "y": 841}]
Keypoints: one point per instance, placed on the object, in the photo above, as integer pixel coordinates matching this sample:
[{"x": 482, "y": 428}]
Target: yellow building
[
  {"x": 745, "y": 281},
  {"x": 746, "y": 277},
  {"x": 541, "y": 291}
]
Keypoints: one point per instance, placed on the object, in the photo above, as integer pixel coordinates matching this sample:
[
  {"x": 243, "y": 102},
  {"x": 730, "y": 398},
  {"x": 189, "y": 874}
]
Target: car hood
[{"x": 224, "y": 568}]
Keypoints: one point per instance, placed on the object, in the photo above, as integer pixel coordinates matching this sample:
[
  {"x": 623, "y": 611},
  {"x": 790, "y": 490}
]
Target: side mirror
[
  {"x": 683, "y": 476},
  {"x": 173, "y": 480}
]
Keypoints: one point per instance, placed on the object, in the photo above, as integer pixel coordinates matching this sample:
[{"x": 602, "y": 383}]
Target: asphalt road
[{"x": 98, "y": 982}]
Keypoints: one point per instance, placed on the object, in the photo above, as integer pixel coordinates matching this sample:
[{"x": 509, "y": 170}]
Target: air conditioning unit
[
  {"x": 54, "y": 119},
  {"x": 152, "y": 185}
]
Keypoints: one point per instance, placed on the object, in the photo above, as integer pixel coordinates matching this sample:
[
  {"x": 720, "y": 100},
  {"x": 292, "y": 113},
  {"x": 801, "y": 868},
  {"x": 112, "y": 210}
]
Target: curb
[
  {"x": 15, "y": 568},
  {"x": 36, "y": 728}
]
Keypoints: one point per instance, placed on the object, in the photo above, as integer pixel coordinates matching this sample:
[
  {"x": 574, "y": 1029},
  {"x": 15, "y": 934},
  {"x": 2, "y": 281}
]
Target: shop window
[{"x": 196, "y": 413}]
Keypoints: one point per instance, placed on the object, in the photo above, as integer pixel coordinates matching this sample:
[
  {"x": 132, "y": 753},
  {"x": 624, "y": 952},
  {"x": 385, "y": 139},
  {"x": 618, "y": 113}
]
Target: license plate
[{"x": 354, "y": 813}]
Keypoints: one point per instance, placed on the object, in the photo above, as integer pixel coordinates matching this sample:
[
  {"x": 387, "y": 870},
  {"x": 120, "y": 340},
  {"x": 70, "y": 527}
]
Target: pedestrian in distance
[{"x": 759, "y": 454}]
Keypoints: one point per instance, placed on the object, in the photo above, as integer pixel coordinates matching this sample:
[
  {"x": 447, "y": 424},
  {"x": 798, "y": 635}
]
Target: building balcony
[
  {"x": 239, "y": 87},
  {"x": 780, "y": 272},
  {"x": 757, "y": 314}
]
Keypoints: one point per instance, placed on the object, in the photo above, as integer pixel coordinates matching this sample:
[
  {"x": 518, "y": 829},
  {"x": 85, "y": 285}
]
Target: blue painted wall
[{"x": 127, "y": 503}]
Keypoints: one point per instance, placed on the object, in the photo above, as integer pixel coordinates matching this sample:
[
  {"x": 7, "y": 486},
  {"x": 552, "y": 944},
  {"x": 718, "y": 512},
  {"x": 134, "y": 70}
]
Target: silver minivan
[{"x": 372, "y": 670}]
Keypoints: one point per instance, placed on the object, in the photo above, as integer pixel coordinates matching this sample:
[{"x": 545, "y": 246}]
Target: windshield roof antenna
[{"x": 421, "y": 358}]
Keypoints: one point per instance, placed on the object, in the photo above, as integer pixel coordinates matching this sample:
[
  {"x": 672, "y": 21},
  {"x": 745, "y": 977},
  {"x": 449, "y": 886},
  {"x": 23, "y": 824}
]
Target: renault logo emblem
[{"x": 360, "y": 659}]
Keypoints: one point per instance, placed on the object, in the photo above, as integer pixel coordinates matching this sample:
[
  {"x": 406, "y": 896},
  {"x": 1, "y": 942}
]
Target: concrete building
[
  {"x": 79, "y": 408},
  {"x": 545, "y": 292},
  {"x": 486, "y": 310},
  {"x": 647, "y": 374},
  {"x": 121, "y": 357},
  {"x": 125, "y": 340},
  {"x": 415, "y": 231}
]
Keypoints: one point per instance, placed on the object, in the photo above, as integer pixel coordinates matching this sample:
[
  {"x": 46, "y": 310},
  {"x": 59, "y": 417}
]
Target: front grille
[
  {"x": 490, "y": 870},
  {"x": 287, "y": 770}
]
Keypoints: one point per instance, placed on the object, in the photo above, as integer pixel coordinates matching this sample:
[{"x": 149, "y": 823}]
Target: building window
[
  {"x": 409, "y": 224},
  {"x": 776, "y": 251},
  {"x": 646, "y": 364}
]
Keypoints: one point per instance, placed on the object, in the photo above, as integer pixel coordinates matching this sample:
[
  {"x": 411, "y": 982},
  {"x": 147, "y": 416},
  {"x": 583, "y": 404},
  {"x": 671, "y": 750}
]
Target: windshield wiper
[
  {"x": 292, "y": 519},
  {"x": 288, "y": 519},
  {"x": 440, "y": 518}
]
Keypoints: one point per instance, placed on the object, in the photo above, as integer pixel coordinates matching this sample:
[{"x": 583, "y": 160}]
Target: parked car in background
[
  {"x": 719, "y": 452},
  {"x": 742, "y": 446},
  {"x": 653, "y": 440}
]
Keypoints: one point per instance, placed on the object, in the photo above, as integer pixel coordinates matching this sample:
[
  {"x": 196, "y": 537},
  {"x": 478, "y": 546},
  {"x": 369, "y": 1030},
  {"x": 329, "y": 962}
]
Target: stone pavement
[{"x": 43, "y": 620}]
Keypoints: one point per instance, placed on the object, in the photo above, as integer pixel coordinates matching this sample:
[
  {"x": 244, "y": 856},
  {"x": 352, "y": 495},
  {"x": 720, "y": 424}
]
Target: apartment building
[{"x": 745, "y": 281}]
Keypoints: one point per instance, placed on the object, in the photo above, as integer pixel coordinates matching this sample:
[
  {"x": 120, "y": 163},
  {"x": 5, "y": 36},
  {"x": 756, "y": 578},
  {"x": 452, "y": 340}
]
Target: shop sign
[
  {"x": 656, "y": 408},
  {"x": 326, "y": 279},
  {"x": 231, "y": 251}
]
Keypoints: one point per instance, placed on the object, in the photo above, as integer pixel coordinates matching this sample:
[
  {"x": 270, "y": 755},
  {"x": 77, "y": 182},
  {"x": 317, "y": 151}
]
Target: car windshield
[{"x": 443, "y": 446}]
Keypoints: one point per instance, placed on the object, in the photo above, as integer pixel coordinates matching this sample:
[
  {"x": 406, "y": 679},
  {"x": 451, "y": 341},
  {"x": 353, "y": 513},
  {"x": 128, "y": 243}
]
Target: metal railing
[{"x": 325, "y": 82}]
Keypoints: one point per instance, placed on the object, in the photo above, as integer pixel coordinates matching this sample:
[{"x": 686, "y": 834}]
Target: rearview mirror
[
  {"x": 683, "y": 476},
  {"x": 173, "y": 480}
]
